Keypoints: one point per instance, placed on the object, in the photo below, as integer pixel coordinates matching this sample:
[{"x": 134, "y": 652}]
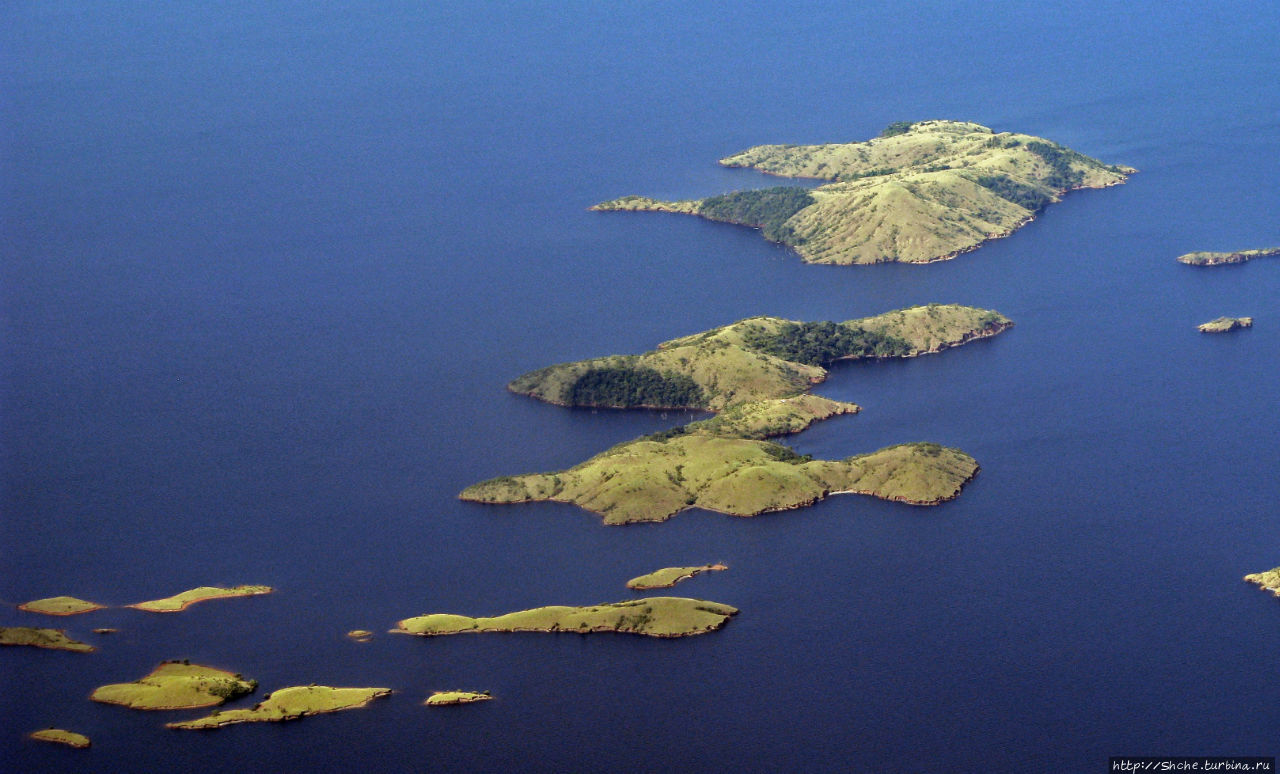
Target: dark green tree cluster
[
  {"x": 896, "y": 128},
  {"x": 786, "y": 454},
  {"x": 1024, "y": 196},
  {"x": 1063, "y": 177},
  {"x": 822, "y": 343},
  {"x": 766, "y": 209},
  {"x": 632, "y": 387}
]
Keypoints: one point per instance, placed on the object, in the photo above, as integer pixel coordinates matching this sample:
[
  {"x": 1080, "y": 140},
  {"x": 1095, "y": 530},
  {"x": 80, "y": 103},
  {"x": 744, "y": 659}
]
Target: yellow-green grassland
[
  {"x": 177, "y": 685},
  {"x": 652, "y": 617},
  {"x": 919, "y": 192},
  {"x": 289, "y": 704}
]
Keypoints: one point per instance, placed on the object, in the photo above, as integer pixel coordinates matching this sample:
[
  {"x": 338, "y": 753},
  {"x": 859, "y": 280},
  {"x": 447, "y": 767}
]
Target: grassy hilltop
[
  {"x": 920, "y": 192},
  {"x": 753, "y": 359}
]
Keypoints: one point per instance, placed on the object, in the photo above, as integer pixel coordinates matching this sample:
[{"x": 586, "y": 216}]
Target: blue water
[{"x": 266, "y": 267}]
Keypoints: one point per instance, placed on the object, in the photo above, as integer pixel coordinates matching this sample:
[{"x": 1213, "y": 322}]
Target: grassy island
[
  {"x": 60, "y": 606},
  {"x": 1267, "y": 581},
  {"x": 360, "y": 635},
  {"x": 669, "y": 576},
  {"x": 176, "y": 685},
  {"x": 652, "y": 480},
  {"x": 652, "y": 617},
  {"x": 447, "y": 698},
  {"x": 754, "y": 359},
  {"x": 182, "y": 601},
  {"x": 1225, "y": 324},
  {"x": 52, "y": 639},
  {"x": 1219, "y": 259},
  {"x": 920, "y": 192},
  {"x": 289, "y": 704},
  {"x": 62, "y": 736}
]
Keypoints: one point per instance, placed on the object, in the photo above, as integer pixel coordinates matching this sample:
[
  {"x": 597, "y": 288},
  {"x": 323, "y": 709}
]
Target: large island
[
  {"x": 755, "y": 373},
  {"x": 754, "y": 359},
  {"x": 919, "y": 192}
]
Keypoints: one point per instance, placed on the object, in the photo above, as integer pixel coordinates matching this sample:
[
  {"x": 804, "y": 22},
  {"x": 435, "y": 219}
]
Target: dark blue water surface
[{"x": 266, "y": 268}]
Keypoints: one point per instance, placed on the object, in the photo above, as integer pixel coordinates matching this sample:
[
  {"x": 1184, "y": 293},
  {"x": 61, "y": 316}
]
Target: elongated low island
[
  {"x": 181, "y": 601},
  {"x": 920, "y": 192},
  {"x": 289, "y": 704},
  {"x": 59, "y": 606},
  {"x": 755, "y": 359},
  {"x": 51, "y": 639},
  {"x": 670, "y": 576},
  {"x": 1225, "y": 324},
  {"x": 652, "y": 617},
  {"x": 1205, "y": 258}
]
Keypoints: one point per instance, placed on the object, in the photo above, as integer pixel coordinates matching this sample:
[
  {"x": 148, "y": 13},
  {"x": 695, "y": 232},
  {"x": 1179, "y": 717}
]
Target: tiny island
[
  {"x": 61, "y": 736},
  {"x": 1267, "y": 581},
  {"x": 360, "y": 635},
  {"x": 289, "y": 704},
  {"x": 920, "y": 192},
  {"x": 51, "y": 639},
  {"x": 177, "y": 685},
  {"x": 666, "y": 617},
  {"x": 755, "y": 373},
  {"x": 670, "y": 576},
  {"x": 1222, "y": 259},
  {"x": 449, "y": 698},
  {"x": 60, "y": 606},
  {"x": 185, "y": 599},
  {"x": 1225, "y": 324}
]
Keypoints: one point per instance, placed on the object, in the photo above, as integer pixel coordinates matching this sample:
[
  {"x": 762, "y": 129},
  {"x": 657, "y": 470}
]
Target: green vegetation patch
[
  {"x": 1219, "y": 259},
  {"x": 635, "y": 387},
  {"x": 360, "y": 635},
  {"x": 651, "y": 617},
  {"x": 182, "y": 601},
  {"x": 767, "y": 209},
  {"x": 919, "y": 192},
  {"x": 62, "y": 736},
  {"x": 177, "y": 685},
  {"x": 823, "y": 343},
  {"x": 754, "y": 359},
  {"x": 52, "y": 639},
  {"x": 289, "y": 704},
  {"x": 447, "y": 698},
  {"x": 669, "y": 576},
  {"x": 59, "y": 606},
  {"x": 1225, "y": 324}
]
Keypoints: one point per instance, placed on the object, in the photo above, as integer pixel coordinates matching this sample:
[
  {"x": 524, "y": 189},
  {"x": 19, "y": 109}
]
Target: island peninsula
[
  {"x": 670, "y": 576},
  {"x": 1220, "y": 259},
  {"x": 651, "y": 617},
  {"x": 289, "y": 704},
  {"x": 185, "y": 599},
  {"x": 920, "y": 192},
  {"x": 755, "y": 373}
]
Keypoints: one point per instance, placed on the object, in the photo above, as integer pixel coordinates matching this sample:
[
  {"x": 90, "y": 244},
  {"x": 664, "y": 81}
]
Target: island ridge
[{"x": 919, "y": 192}]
